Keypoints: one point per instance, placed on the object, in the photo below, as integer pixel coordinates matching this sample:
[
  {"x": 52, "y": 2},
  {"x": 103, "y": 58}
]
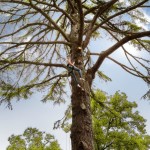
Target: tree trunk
[{"x": 81, "y": 130}]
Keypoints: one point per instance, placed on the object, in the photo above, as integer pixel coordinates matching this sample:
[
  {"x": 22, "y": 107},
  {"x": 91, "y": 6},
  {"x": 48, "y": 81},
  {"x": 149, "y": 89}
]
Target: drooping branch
[
  {"x": 32, "y": 63},
  {"x": 136, "y": 59},
  {"x": 37, "y": 42},
  {"x": 131, "y": 71},
  {"x": 25, "y": 27},
  {"x": 45, "y": 81},
  {"x": 113, "y": 48},
  {"x": 119, "y": 13},
  {"x": 49, "y": 19},
  {"x": 127, "y": 54}
]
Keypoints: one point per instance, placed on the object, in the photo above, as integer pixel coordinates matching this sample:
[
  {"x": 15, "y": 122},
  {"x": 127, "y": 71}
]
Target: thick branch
[
  {"x": 107, "y": 52},
  {"x": 58, "y": 8},
  {"x": 81, "y": 29},
  {"x": 99, "y": 12},
  {"x": 128, "y": 69},
  {"x": 127, "y": 53},
  {"x": 146, "y": 6}
]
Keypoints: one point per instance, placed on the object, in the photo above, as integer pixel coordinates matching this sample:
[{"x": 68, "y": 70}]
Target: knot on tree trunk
[
  {"x": 83, "y": 107},
  {"x": 83, "y": 146}
]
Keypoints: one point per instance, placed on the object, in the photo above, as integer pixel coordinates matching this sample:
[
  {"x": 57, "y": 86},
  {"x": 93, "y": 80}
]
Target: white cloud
[
  {"x": 146, "y": 16},
  {"x": 119, "y": 55},
  {"x": 131, "y": 49},
  {"x": 144, "y": 25},
  {"x": 121, "y": 1},
  {"x": 28, "y": 38}
]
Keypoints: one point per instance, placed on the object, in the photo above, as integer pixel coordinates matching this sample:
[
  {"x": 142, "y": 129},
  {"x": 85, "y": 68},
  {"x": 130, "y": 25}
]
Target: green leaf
[{"x": 103, "y": 76}]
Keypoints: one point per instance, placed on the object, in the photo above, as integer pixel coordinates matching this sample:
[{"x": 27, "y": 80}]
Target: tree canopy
[
  {"x": 117, "y": 124},
  {"x": 36, "y": 36},
  {"x": 33, "y": 139}
]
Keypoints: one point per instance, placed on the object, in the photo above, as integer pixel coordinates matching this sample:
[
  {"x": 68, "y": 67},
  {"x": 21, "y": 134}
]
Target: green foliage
[
  {"x": 33, "y": 139},
  {"x": 16, "y": 142},
  {"x": 26, "y": 1},
  {"x": 116, "y": 123},
  {"x": 131, "y": 27},
  {"x": 95, "y": 35},
  {"x": 56, "y": 92},
  {"x": 11, "y": 91},
  {"x": 103, "y": 76},
  {"x": 54, "y": 146},
  {"x": 145, "y": 44},
  {"x": 64, "y": 123}
]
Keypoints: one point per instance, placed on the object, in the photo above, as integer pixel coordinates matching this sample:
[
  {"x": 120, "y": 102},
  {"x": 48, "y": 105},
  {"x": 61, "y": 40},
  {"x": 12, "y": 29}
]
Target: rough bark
[{"x": 81, "y": 131}]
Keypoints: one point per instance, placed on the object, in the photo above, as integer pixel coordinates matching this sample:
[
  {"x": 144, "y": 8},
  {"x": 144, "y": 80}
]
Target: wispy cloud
[{"x": 145, "y": 25}]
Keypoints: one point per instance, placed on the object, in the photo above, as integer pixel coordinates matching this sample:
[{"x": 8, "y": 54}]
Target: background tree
[
  {"x": 116, "y": 123},
  {"x": 36, "y": 37},
  {"x": 33, "y": 139}
]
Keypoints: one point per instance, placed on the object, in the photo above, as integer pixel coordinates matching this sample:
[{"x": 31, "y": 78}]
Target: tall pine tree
[{"x": 36, "y": 36}]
